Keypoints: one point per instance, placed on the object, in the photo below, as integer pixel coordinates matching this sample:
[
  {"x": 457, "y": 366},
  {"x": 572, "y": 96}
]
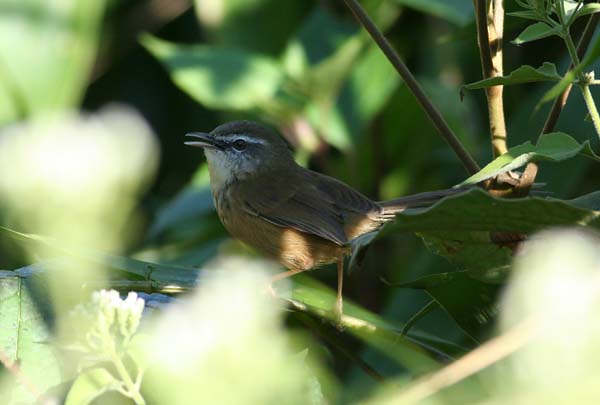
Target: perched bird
[{"x": 299, "y": 217}]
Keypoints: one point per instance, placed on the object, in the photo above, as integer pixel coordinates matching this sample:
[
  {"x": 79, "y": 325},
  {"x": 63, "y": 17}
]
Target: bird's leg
[
  {"x": 281, "y": 276},
  {"x": 338, "y": 308}
]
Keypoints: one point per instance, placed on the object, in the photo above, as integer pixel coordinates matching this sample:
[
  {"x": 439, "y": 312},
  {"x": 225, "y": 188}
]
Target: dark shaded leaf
[
  {"x": 534, "y": 32},
  {"x": 476, "y": 210},
  {"x": 470, "y": 302}
]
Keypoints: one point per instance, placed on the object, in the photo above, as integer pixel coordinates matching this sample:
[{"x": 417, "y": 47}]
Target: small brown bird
[{"x": 302, "y": 218}]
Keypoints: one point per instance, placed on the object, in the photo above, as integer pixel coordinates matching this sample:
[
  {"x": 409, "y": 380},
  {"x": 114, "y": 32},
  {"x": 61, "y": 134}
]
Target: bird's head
[{"x": 241, "y": 149}]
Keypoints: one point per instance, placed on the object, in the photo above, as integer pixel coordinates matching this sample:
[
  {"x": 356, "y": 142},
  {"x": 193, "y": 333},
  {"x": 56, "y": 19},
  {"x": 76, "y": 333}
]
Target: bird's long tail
[{"x": 397, "y": 205}]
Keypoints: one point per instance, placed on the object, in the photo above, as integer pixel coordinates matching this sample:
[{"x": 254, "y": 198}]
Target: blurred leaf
[
  {"x": 191, "y": 202},
  {"x": 24, "y": 339},
  {"x": 534, "y": 32},
  {"x": 359, "y": 102},
  {"x": 233, "y": 23},
  {"x": 524, "y": 74},
  {"x": 554, "y": 147},
  {"x": 470, "y": 302},
  {"x": 219, "y": 78},
  {"x": 311, "y": 296},
  {"x": 91, "y": 384},
  {"x": 476, "y": 210},
  {"x": 158, "y": 276},
  {"x": 68, "y": 31},
  {"x": 459, "y": 12}
]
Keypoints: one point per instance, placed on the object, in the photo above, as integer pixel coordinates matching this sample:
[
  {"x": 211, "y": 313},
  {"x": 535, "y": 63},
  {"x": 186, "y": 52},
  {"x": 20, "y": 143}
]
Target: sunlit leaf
[
  {"x": 219, "y": 78},
  {"x": 24, "y": 339},
  {"x": 68, "y": 31},
  {"x": 553, "y": 147},
  {"x": 91, "y": 384}
]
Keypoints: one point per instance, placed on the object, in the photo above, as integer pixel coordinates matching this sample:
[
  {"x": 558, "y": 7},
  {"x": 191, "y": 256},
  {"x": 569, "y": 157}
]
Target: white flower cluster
[{"x": 108, "y": 322}]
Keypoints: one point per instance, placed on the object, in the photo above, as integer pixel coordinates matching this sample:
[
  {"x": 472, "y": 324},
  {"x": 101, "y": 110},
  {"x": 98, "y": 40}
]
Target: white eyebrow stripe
[{"x": 249, "y": 139}]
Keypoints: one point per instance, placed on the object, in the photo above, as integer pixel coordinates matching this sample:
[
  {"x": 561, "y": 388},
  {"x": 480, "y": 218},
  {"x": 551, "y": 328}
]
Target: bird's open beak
[{"x": 204, "y": 140}]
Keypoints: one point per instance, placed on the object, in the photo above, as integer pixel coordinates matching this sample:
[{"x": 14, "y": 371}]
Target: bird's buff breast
[{"x": 292, "y": 248}]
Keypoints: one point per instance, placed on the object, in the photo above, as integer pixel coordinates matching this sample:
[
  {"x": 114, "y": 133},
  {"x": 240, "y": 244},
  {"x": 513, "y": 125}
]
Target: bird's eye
[{"x": 239, "y": 144}]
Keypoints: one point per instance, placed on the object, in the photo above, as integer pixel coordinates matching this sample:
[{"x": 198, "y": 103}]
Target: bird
[{"x": 299, "y": 217}]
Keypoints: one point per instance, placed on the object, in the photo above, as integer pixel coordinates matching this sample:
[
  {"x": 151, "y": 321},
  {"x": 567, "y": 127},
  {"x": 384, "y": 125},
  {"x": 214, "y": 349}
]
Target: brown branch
[
  {"x": 490, "y": 28},
  {"x": 434, "y": 115}
]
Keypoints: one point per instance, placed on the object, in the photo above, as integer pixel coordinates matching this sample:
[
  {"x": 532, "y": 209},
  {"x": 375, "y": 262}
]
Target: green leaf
[
  {"x": 91, "y": 384},
  {"x": 554, "y": 147},
  {"x": 25, "y": 339},
  {"x": 524, "y": 74},
  {"x": 219, "y": 78},
  {"x": 534, "y": 32},
  {"x": 473, "y": 251},
  {"x": 587, "y": 9},
  {"x": 37, "y": 79},
  {"x": 309, "y": 295},
  {"x": 527, "y": 14},
  {"x": 476, "y": 210},
  {"x": 470, "y": 302},
  {"x": 459, "y": 12}
]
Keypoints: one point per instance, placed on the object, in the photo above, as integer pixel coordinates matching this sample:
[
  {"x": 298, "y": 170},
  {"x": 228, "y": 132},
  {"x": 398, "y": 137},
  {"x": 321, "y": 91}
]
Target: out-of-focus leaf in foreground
[
  {"x": 227, "y": 342},
  {"x": 25, "y": 340},
  {"x": 39, "y": 79}
]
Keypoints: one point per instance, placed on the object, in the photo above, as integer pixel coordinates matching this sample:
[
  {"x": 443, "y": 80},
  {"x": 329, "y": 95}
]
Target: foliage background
[{"x": 316, "y": 77}]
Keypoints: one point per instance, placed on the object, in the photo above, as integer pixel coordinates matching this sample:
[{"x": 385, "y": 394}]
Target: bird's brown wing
[{"x": 305, "y": 204}]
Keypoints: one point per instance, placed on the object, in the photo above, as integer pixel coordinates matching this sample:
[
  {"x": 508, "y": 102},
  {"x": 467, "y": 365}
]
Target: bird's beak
[{"x": 204, "y": 140}]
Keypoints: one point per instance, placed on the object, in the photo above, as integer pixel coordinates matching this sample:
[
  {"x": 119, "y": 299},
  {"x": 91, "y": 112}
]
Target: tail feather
[{"x": 392, "y": 207}]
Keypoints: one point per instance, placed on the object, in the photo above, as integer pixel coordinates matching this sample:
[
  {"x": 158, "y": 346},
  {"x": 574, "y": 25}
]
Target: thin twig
[
  {"x": 485, "y": 355},
  {"x": 490, "y": 28},
  {"x": 434, "y": 115}
]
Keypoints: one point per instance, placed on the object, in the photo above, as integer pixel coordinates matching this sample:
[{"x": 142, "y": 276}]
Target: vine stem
[
  {"x": 432, "y": 112},
  {"x": 591, "y": 105},
  {"x": 584, "y": 83},
  {"x": 133, "y": 390}
]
